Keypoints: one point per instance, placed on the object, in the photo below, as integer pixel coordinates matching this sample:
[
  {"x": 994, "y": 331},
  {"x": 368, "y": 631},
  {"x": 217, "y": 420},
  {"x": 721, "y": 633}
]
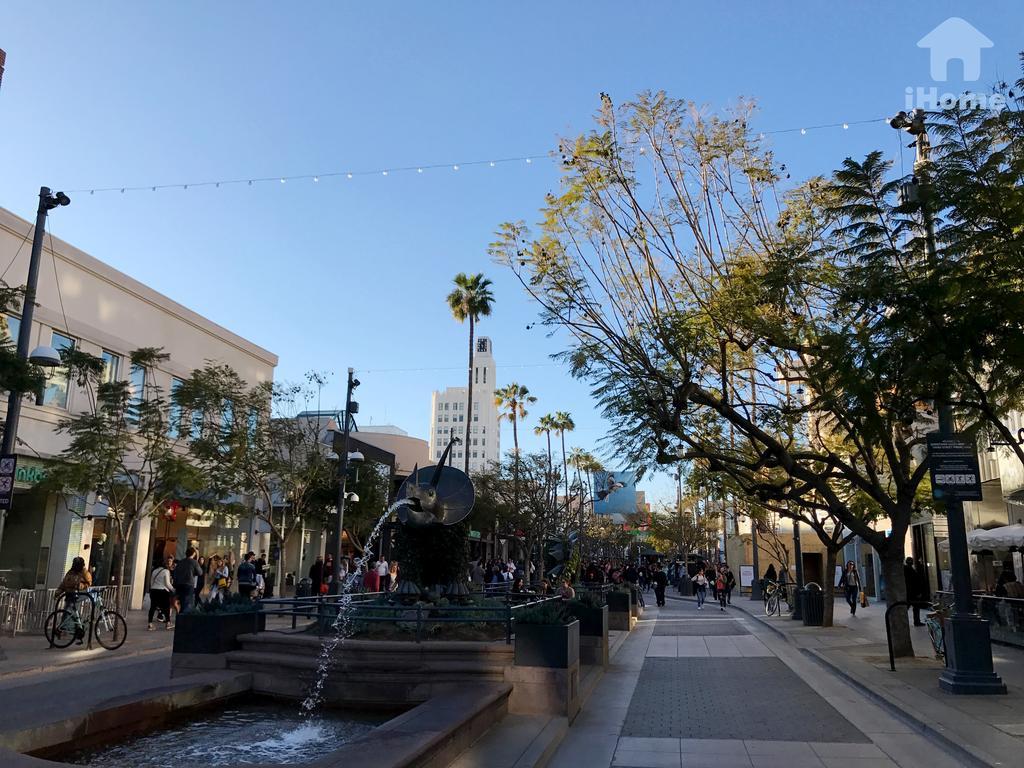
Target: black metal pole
[
  {"x": 798, "y": 609},
  {"x": 46, "y": 202},
  {"x": 339, "y": 524}
]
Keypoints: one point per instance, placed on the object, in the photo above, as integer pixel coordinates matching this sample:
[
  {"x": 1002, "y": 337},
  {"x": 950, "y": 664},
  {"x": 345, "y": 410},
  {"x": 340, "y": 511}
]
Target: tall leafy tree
[
  {"x": 124, "y": 446},
  {"x": 16, "y": 375},
  {"x": 682, "y": 297},
  {"x": 545, "y": 426},
  {"x": 470, "y": 300},
  {"x": 254, "y": 443}
]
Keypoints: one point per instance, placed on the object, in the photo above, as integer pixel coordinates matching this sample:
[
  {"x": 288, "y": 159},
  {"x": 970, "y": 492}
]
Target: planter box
[
  {"x": 619, "y": 611},
  {"x": 593, "y": 621},
  {"x": 214, "y": 632},
  {"x": 547, "y": 645}
]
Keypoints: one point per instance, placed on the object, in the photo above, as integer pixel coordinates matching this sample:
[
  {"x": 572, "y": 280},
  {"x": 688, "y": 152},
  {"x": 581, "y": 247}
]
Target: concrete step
[
  {"x": 412, "y": 666},
  {"x": 275, "y": 642}
]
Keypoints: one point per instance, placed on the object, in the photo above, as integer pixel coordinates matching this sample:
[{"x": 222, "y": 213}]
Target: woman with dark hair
[{"x": 850, "y": 582}]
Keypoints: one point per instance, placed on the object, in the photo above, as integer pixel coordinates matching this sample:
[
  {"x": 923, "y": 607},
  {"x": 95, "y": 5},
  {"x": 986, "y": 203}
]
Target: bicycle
[
  {"x": 936, "y": 623},
  {"x": 774, "y": 595},
  {"x": 65, "y": 625}
]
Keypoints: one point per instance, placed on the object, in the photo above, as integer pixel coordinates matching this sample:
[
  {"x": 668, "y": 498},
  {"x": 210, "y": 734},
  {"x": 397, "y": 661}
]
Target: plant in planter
[
  {"x": 547, "y": 635},
  {"x": 592, "y": 614},
  {"x": 214, "y": 627}
]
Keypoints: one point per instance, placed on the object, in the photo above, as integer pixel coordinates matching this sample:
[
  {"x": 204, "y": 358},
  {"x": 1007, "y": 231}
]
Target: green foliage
[
  {"x": 16, "y": 375},
  {"x": 547, "y": 613},
  {"x": 471, "y": 297},
  {"x": 436, "y": 554},
  {"x": 587, "y": 599},
  {"x": 122, "y": 446},
  {"x": 232, "y": 602}
]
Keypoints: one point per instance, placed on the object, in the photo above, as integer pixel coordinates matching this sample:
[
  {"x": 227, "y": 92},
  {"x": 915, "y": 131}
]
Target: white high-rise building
[{"x": 480, "y": 433}]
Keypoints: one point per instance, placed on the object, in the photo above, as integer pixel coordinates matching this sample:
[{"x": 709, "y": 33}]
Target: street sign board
[
  {"x": 8, "y": 465},
  {"x": 953, "y": 462}
]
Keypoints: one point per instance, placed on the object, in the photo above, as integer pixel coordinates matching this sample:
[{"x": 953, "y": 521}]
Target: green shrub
[
  {"x": 551, "y": 612},
  {"x": 232, "y": 602},
  {"x": 589, "y": 599}
]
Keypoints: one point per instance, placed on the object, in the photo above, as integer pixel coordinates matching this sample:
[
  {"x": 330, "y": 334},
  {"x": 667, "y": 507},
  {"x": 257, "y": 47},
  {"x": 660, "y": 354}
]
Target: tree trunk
[
  {"x": 125, "y": 534},
  {"x": 565, "y": 471},
  {"x": 552, "y": 490},
  {"x": 469, "y": 401},
  {"x": 279, "y": 576},
  {"x": 829, "y": 586},
  {"x": 515, "y": 464},
  {"x": 895, "y": 591}
]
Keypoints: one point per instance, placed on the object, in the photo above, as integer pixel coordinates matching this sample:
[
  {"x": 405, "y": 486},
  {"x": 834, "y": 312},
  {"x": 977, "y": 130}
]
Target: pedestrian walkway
[
  {"x": 989, "y": 728},
  {"x": 30, "y": 654},
  {"x": 690, "y": 689}
]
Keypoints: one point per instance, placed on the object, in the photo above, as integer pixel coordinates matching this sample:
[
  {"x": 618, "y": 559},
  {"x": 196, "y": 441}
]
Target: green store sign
[{"x": 30, "y": 472}]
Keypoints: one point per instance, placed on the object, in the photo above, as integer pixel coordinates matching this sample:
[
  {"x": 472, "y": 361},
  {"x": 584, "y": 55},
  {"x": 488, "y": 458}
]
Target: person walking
[
  {"x": 186, "y": 575},
  {"x": 316, "y": 574},
  {"x": 850, "y": 582},
  {"x": 77, "y": 579},
  {"x": 660, "y": 581},
  {"x": 220, "y": 578},
  {"x": 160, "y": 590},
  {"x": 393, "y": 576},
  {"x": 371, "y": 579},
  {"x": 247, "y": 575},
  {"x": 913, "y": 590},
  {"x": 701, "y": 582},
  {"x": 730, "y": 583},
  {"x": 720, "y": 586},
  {"x": 383, "y": 575}
]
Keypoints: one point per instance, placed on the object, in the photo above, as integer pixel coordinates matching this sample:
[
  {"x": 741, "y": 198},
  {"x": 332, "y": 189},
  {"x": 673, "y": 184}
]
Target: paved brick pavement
[
  {"x": 731, "y": 698},
  {"x": 689, "y": 627}
]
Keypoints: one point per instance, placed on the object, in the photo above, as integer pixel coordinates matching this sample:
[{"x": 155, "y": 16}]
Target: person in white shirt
[
  {"x": 160, "y": 590},
  {"x": 384, "y": 574}
]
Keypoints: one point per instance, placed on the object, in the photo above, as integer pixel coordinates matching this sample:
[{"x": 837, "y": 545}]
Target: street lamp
[
  {"x": 969, "y": 668},
  {"x": 351, "y": 408},
  {"x": 46, "y": 357}
]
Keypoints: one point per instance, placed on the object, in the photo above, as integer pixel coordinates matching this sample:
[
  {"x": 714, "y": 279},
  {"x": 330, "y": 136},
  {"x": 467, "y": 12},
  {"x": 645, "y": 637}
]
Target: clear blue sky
[{"x": 355, "y": 272}]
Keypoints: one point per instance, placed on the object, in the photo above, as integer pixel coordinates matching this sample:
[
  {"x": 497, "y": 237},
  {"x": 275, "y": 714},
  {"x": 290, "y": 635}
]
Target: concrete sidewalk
[
  {"x": 988, "y": 730},
  {"x": 30, "y": 654}
]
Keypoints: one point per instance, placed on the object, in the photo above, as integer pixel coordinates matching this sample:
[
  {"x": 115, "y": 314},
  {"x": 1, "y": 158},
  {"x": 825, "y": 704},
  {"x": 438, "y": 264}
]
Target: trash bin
[
  {"x": 304, "y": 588},
  {"x": 685, "y": 585},
  {"x": 813, "y": 600}
]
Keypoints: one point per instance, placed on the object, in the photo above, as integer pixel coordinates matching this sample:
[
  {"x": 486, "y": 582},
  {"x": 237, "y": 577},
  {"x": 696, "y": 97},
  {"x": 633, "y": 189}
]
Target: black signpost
[
  {"x": 955, "y": 473},
  {"x": 8, "y": 465},
  {"x": 956, "y": 478}
]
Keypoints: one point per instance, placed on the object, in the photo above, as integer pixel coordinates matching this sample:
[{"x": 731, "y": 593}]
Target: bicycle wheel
[
  {"x": 772, "y": 604},
  {"x": 110, "y": 630},
  {"x": 60, "y": 627}
]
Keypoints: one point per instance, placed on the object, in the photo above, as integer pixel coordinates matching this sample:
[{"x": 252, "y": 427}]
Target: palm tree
[
  {"x": 563, "y": 423},
  {"x": 584, "y": 461},
  {"x": 514, "y": 398},
  {"x": 545, "y": 426},
  {"x": 470, "y": 300}
]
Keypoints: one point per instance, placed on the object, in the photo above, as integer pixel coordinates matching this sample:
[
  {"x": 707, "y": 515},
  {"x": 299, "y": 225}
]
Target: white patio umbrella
[{"x": 997, "y": 538}]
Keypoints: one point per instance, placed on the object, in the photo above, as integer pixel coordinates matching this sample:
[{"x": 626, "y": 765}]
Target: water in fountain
[
  {"x": 342, "y": 625},
  {"x": 254, "y": 732}
]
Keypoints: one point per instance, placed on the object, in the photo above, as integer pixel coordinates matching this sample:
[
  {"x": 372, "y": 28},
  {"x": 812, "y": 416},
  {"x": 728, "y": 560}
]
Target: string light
[{"x": 419, "y": 169}]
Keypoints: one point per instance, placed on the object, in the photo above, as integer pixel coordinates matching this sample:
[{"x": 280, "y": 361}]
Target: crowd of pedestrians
[
  {"x": 177, "y": 585},
  {"x": 378, "y": 575}
]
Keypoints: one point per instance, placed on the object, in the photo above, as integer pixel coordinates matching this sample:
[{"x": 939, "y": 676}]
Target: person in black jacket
[
  {"x": 660, "y": 581},
  {"x": 913, "y": 589}
]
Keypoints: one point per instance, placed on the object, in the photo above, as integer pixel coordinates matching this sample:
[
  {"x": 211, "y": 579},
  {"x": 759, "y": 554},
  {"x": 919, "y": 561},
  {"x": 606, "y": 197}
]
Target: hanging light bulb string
[{"x": 418, "y": 169}]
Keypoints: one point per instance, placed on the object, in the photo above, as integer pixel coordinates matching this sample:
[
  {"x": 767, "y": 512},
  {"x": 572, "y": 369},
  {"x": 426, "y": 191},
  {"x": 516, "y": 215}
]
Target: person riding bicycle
[{"x": 76, "y": 580}]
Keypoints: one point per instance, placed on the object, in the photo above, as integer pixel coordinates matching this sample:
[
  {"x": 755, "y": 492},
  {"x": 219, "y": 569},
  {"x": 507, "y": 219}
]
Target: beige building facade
[{"x": 85, "y": 303}]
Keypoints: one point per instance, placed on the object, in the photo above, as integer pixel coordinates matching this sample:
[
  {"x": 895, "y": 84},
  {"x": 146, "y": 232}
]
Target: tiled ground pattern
[
  {"x": 734, "y": 698},
  {"x": 698, "y": 627}
]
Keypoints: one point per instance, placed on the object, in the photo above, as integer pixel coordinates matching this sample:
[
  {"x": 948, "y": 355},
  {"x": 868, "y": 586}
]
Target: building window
[
  {"x": 111, "y": 366},
  {"x": 476, "y": 406},
  {"x": 474, "y": 454},
  {"x": 475, "y": 417},
  {"x": 56, "y": 392},
  {"x": 437, "y": 455},
  {"x": 485, "y": 374},
  {"x": 483, "y": 430},
  {"x": 175, "y": 411},
  {"x": 137, "y": 385},
  {"x": 476, "y": 375},
  {"x": 446, "y": 406},
  {"x": 474, "y": 441},
  {"x": 9, "y": 327},
  {"x": 461, "y": 417}
]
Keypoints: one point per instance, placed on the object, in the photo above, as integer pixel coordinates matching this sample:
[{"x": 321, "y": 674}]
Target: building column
[{"x": 140, "y": 562}]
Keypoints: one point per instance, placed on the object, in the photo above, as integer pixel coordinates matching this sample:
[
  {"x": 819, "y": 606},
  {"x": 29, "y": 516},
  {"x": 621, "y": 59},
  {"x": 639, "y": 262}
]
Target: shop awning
[{"x": 997, "y": 538}]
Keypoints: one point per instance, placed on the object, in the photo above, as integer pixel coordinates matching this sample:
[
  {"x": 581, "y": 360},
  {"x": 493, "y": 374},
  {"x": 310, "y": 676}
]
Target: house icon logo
[{"x": 955, "y": 39}]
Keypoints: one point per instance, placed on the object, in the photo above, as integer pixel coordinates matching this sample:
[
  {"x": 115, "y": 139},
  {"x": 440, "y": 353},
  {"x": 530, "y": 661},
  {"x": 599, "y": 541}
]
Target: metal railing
[
  {"x": 1005, "y": 615},
  {"x": 25, "y": 610},
  {"x": 368, "y": 608}
]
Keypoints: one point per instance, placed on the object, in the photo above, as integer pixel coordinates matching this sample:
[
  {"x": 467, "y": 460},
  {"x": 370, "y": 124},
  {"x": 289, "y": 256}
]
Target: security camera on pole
[
  {"x": 955, "y": 478},
  {"x": 351, "y": 408}
]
